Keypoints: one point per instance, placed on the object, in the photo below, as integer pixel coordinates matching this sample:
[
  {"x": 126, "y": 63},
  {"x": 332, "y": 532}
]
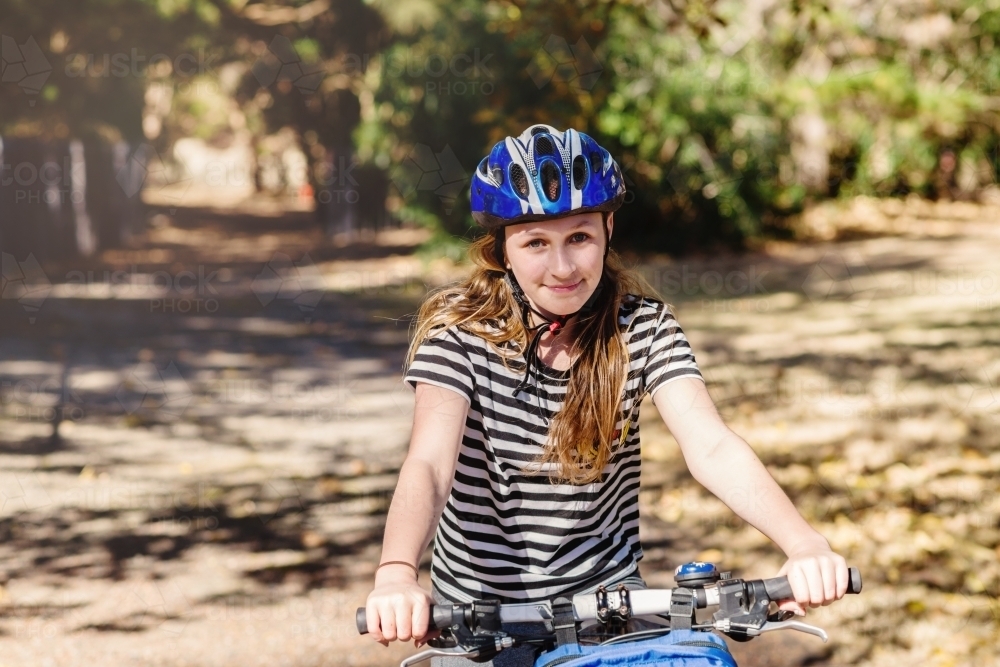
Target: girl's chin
[{"x": 562, "y": 306}]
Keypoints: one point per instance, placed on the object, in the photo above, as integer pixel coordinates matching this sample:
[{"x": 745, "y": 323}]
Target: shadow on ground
[{"x": 199, "y": 437}]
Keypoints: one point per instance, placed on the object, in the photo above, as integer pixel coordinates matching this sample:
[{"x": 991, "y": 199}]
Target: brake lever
[
  {"x": 781, "y": 615},
  {"x": 460, "y": 651},
  {"x": 791, "y": 625},
  {"x": 456, "y": 652}
]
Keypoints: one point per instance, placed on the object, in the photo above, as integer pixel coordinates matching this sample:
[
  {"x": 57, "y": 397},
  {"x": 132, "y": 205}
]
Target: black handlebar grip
[
  {"x": 361, "y": 620},
  {"x": 854, "y": 583},
  {"x": 779, "y": 588},
  {"x": 442, "y": 616}
]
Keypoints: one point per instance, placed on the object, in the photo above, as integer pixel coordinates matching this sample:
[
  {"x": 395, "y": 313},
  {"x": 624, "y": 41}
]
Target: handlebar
[
  {"x": 778, "y": 588},
  {"x": 648, "y": 602}
]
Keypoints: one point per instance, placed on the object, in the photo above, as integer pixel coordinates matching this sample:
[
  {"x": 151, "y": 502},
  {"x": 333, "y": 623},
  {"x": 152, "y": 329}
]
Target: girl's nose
[{"x": 560, "y": 263}]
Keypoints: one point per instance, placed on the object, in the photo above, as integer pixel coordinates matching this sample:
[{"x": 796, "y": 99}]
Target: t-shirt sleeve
[
  {"x": 670, "y": 356},
  {"x": 443, "y": 361}
]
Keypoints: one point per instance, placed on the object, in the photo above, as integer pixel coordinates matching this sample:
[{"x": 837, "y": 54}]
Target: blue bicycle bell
[{"x": 696, "y": 574}]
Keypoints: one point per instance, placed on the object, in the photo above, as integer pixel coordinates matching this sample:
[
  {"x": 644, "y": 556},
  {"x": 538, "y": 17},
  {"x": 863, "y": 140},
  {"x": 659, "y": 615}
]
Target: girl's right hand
[{"x": 399, "y": 608}]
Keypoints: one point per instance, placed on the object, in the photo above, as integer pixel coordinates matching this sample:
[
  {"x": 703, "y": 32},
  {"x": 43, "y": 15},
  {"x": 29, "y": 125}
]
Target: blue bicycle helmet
[{"x": 544, "y": 173}]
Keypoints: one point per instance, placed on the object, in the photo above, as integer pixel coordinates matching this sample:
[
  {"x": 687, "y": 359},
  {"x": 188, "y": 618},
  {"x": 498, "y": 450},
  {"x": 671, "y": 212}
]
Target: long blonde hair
[{"x": 582, "y": 436}]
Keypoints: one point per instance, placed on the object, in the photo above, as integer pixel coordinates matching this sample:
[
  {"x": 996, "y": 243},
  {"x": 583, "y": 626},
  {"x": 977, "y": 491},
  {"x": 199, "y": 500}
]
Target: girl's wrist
[
  {"x": 812, "y": 544},
  {"x": 396, "y": 571}
]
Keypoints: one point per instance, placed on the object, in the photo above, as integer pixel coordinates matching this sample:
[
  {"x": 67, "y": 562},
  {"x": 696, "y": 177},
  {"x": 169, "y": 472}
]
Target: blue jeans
[{"x": 519, "y": 656}]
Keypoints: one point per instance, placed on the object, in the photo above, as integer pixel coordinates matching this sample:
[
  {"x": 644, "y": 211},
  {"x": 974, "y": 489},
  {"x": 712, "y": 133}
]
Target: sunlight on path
[{"x": 215, "y": 491}]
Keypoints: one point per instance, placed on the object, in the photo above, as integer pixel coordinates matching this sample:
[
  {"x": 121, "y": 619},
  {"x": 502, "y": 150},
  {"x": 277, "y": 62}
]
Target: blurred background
[{"x": 217, "y": 218}]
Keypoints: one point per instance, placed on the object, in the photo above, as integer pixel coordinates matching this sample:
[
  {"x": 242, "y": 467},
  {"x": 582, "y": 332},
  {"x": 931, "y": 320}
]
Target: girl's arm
[
  {"x": 398, "y": 608},
  {"x": 725, "y": 464}
]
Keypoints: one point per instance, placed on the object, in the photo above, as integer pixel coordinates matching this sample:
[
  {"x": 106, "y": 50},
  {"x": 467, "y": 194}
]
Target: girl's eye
[
  {"x": 580, "y": 237},
  {"x": 531, "y": 243}
]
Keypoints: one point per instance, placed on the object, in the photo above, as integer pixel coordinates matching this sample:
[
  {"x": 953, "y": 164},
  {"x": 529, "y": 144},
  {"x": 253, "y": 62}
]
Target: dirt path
[{"x": 232, "y": 422}]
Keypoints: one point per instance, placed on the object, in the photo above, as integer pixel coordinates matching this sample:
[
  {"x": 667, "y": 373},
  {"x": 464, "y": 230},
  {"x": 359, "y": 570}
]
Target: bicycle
[{"x": 474, "y": 630}]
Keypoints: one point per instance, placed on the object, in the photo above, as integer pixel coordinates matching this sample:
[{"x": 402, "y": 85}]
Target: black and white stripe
[{"x": 513, "y": 535}]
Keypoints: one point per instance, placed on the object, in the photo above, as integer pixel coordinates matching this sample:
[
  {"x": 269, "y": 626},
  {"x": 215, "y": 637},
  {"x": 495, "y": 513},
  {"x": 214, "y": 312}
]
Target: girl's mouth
[{"x": 564, "y": 289}]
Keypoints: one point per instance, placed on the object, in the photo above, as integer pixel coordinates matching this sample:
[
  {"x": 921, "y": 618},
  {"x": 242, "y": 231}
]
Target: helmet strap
[
  {"x": 553, "y": 326},
  {"x": 499, "y": 238}
]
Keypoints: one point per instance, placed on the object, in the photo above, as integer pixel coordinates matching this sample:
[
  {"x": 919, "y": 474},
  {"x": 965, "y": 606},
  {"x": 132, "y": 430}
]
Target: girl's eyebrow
[{"x": 578, "y": 225}]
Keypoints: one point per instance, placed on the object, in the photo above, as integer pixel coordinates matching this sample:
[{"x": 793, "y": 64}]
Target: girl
[{"x": 524, "y": 457}]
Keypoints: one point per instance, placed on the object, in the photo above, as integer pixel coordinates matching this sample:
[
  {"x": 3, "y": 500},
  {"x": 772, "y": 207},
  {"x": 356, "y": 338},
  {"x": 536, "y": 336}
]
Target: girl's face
[{"x": 558, "y": 263}]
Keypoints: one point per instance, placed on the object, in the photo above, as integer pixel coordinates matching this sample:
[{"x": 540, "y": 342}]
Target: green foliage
[
  {"x": 699, "y": 102},
  {"x": 462, "y": 82},
  {"x": 99, "y": 53},
  {"x": 726, "y": 117},
  {"x": 698, "y": 133}
]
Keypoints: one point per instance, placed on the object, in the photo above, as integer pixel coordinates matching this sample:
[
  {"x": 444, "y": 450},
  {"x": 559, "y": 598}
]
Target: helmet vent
[
  {"x": 579, "y": 172},
  {"x": 538, "y": 129},
  {"x": 498, "y": 175},
  {"x": 543, "y": 146},
  {"x": 551, "y": 176},
  {"x": 519, "y": 180},
  {"x": 596, "y": 163},
  {"x": 482, "y": 167}
]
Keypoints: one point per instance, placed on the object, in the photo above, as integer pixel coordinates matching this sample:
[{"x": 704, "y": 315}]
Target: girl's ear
[{"x": 611, "y": 224}]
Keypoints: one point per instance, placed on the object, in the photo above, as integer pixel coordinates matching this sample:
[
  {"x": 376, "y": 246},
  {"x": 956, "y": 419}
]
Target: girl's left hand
[{"x": 817, "y": 575}]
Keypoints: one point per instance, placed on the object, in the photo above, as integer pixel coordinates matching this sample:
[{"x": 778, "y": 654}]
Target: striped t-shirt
[{"x": 506, "y": 533}]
